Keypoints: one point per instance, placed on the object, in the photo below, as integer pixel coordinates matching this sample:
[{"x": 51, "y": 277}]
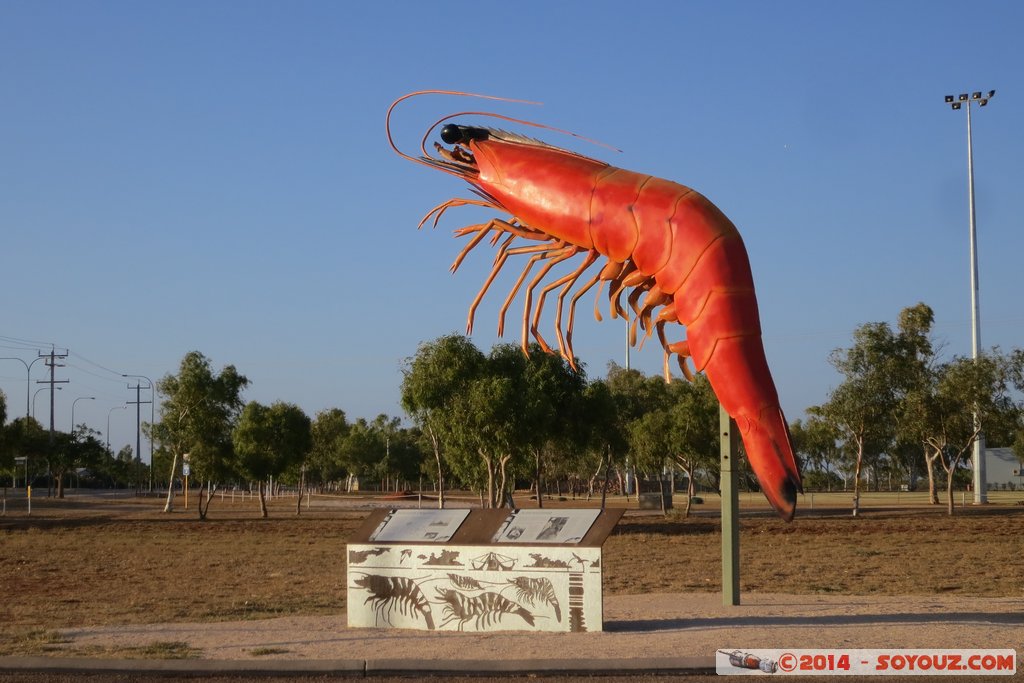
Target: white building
[{"x": 1002, "y": 468}]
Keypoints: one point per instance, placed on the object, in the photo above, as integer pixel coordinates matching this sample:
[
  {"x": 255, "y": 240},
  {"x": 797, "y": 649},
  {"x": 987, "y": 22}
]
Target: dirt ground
[
  {"x": 105, "y": 577},
  {"x": 658, "y": 625}
]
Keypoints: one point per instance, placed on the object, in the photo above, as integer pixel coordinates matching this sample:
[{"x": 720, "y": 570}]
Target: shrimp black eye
[{"x": 451, "y": 133}]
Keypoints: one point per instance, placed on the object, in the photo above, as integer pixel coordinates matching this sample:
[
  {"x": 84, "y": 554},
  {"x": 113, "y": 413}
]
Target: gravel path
[{"x": 638, "y": 626}]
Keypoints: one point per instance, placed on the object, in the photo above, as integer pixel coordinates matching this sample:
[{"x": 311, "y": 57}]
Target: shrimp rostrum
[{"x": 673, "y": 253}]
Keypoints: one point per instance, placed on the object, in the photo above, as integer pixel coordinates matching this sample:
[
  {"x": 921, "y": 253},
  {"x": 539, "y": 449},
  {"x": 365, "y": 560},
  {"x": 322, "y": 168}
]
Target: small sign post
[
  {"x": 185, "y": 471},
  {"x": 730, "y": 510}
]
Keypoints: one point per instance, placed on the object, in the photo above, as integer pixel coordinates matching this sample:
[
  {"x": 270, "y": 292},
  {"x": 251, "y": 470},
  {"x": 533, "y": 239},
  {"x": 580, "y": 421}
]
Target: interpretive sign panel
[
  {"x": 474, "y": 588},
  {"x": 486, "y": 576},
  {"x": 433, "y": 526}
]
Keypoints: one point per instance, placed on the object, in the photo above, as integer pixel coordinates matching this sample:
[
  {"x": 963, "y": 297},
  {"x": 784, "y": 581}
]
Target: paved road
[{"x": 595, "y": 678}]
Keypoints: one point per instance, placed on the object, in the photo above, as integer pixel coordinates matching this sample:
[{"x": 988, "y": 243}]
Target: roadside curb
[{"x": 359, "y": 668}]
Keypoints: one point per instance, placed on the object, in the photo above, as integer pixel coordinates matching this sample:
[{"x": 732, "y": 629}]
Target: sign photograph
[{"x": 546, "y": 526}]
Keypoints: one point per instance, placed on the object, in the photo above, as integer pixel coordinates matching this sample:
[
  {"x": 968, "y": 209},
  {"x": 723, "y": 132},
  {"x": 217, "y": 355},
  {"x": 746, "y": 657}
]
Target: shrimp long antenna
[{"x": 428, "y": 160}]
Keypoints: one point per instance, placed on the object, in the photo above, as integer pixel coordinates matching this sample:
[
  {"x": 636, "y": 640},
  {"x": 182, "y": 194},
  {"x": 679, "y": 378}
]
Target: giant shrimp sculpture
[{"x": 657, "y": 238}]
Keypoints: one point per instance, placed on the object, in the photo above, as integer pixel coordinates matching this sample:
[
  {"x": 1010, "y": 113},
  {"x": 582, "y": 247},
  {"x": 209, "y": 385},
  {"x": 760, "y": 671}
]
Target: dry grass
[{"x": 91, "y": 562}]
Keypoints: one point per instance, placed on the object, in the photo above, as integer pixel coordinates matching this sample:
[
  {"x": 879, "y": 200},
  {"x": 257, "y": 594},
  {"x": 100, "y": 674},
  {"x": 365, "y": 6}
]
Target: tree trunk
[
  {"x": 856, "y": 480},
  {"x": 593, "y": 478},
  {"x": 169, "y": 504},
  {"x": 691, "y": 491},
  {"x": 302, "y": 486},
  {"x": 954, "y": 461},
  {"x": 211, "y": 488},
  {"x": 949, "y": 490},
  {"x": 490, "y": 479},
  {"x": 263, "y": 501},
  {"x": 506, "y": 498},
  {"x": 60, "y": 483},
  {"x": 199, "y": 503},
  {"x": 607, "y": 475},
  {"x": 440, "y": 473},
  {"x": 933, "y": 493},
  {"x": 538, "y": 477},
  {"x": 661, "y": 493}
]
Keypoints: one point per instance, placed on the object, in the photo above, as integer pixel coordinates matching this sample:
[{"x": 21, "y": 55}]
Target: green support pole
[{"x": 730, "y": 510}]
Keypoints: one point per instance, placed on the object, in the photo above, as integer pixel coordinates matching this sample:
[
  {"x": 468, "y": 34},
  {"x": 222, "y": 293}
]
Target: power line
[{"x": 119, "y": 375}]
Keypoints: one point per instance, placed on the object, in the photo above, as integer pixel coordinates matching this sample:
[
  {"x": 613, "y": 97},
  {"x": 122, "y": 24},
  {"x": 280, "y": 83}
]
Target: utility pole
[
  {"x": 51, "y": 361},
  {"x": 138, "y": 434}
]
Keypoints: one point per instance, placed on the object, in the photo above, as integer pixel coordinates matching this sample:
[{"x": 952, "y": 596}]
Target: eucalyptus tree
[
  {"x": 270, "y": 440},
  {"x": 552, "y": 408},
  {"x": 604, "y": 436},
  {"x": 197, "y": 415},
  {"x": 635, "y": 395},
  {"x": 815, "y": 442},
  {"x": 432, "y": 382},
  {"x": 965, "y": 397},
  {"x": 329, "y": 430},
  {"x": 920, "y": 361},
  {"x": 682, "y": 429},
  {"x": 25, "y": 437},
  {"x": 398, "y": 455},
  {"x": 81, "y": 448},
  {"x": 363, "y": 448},
  {"x": 863, "y": 407},
  {"x": 489, "y": 431}
]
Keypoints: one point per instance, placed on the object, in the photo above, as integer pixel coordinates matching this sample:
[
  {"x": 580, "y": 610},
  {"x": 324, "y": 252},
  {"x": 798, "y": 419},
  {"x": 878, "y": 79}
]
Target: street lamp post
[
  {"x": 28, "y": 378},
  {"x": 981, "y": 99},
  {"x": 108, "y": 422},
  {"x": 35, "y": 395},
  {"x": 28, "y": 403},
  {"x": 80, "y": 398}
]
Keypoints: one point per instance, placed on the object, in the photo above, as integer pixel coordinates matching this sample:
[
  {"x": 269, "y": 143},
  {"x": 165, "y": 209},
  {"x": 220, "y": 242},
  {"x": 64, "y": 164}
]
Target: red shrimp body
[
  {"x": 660, "y": 238},
  {"x": 693, "y": 252}
]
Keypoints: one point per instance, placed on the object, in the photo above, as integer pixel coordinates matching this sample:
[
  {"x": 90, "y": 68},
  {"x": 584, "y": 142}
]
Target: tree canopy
[
  {"x": 197, "y": 416},
  {"x": 269, "y": 441}
]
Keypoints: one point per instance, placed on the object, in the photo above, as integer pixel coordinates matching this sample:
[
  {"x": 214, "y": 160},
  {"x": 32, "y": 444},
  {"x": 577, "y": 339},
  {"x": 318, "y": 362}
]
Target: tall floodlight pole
[{"x": 980, "y": 493}]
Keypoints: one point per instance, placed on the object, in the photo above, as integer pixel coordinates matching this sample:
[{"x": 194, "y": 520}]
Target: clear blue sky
[{"x": 214, "y": 176}]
